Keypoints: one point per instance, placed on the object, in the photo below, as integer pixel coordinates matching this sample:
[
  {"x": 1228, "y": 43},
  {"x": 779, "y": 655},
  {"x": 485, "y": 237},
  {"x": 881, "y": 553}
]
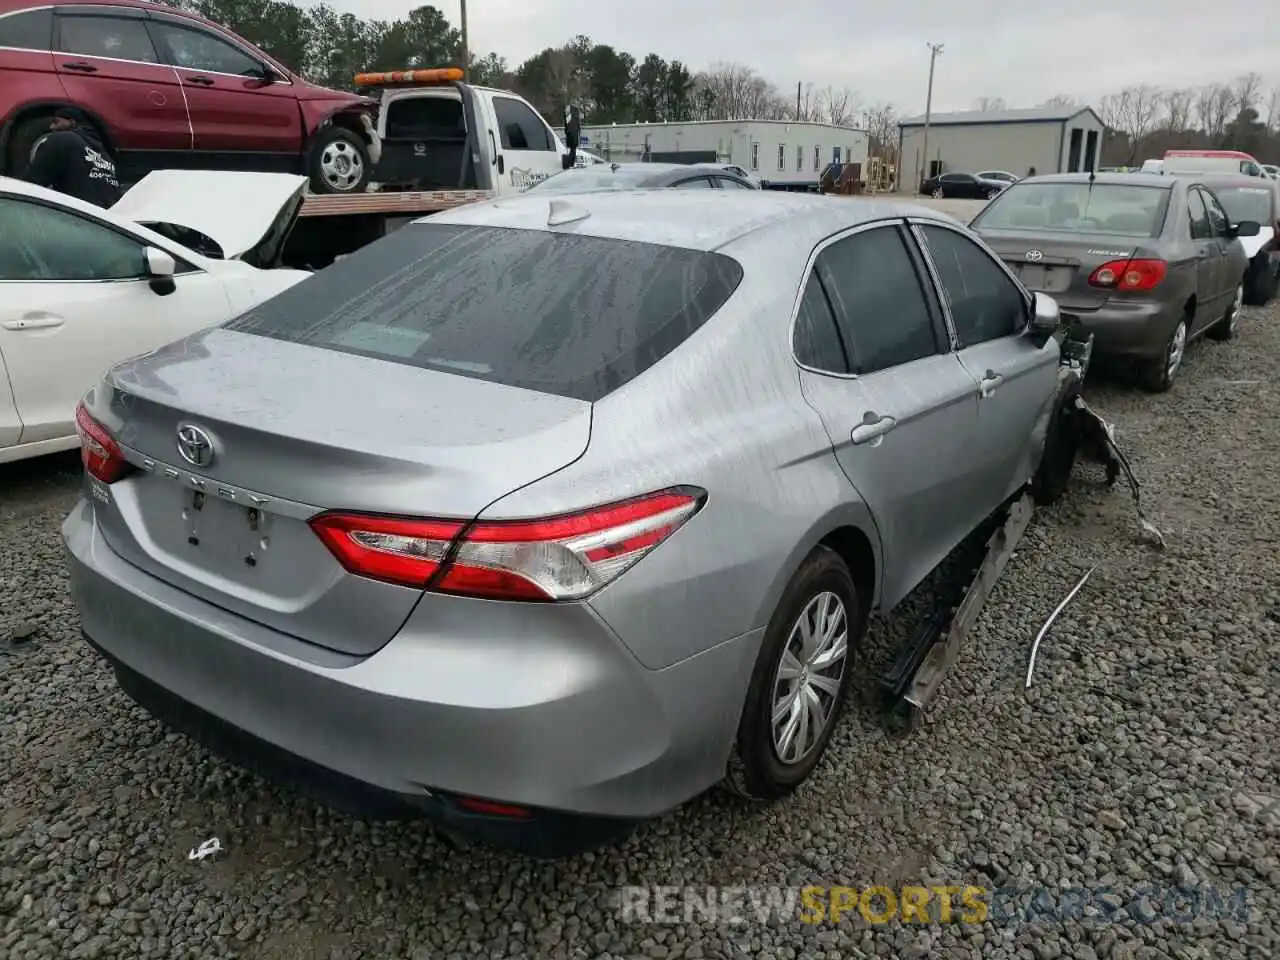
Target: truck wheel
[
  {"x": 21, "y": 142},
  {"x": 1225, "y": 329},
  {"x": 339, "y": 162},
  {"x": 798, "y": 686},
  {"x": 1061, "y": 444},
  {"x": 1158, "y": 374}
]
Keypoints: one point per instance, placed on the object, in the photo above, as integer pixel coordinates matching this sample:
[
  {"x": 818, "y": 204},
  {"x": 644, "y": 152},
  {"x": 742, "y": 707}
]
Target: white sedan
[{"x": 82, "y": 288}]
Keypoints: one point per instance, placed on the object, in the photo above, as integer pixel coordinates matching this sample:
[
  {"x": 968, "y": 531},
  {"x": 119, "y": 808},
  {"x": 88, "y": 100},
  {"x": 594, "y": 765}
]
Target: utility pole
[
  {"x": 934, "y": 50},
  {"x": 798, "y": 86},
  {"x": 466, "y": 50}
]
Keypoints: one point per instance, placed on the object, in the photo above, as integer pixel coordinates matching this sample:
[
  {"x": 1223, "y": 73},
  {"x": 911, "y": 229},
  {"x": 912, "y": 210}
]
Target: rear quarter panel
[{"x": 725, "y": 413}]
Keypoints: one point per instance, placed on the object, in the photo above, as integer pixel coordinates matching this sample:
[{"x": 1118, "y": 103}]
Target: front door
[
  {"x": 1012, "y": 376},
  {"x": 74, "y": 299},
  {"x": 1208, "y": 259},
  {"x": 1226, "y": 278},
  {"x": 527, "y": 150},
  {"x": 108, "y": 64},
  {"x": 902, "y": 425},
  {"x": 239, "y": 120}
]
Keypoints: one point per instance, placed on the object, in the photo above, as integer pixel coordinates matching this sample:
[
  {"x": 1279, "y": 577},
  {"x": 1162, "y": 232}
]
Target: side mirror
[
  {"x": 1046, "y": 318},
  {"x": 160, "y": 270},
  {"x": 1246, "y": 228}
]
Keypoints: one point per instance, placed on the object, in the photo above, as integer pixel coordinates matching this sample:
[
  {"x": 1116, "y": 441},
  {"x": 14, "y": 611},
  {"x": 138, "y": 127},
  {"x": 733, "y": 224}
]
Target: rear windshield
[
  {"x": 1247, "y": 203},
  {"x": 595, "y": 177},
  {"x": 1120, "y": 209},
  {"x": 562, "y": 314}
]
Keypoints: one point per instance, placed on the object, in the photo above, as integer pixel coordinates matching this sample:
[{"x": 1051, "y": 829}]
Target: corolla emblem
[
  {"x": 1034, "y": 256},
  {"x": 195, "y": 446}
]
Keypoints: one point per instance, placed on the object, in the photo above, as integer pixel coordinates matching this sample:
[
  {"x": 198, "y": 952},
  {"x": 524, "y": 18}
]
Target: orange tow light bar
[{"x": 383, "y": 78}]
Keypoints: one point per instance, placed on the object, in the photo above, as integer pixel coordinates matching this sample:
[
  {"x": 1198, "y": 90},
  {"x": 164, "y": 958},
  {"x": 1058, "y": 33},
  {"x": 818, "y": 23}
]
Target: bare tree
[
  {"x": 1061, "y": 100},
  {"x": 837, "y": 107},
  {"x": 989, "y": 104},
  {"x": 732, "y": 91},
  {"x": 1177, "y": 110},
  {"x": 1248, "y": 91},
  {"x": 881, "y": 121},
  {"x": 1213, "y": 108},
  {"x": 1134, "y": 112}
]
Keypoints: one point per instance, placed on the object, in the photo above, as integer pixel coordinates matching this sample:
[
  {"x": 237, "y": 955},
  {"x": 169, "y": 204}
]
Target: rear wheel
[
  {"x": 1158, "y": 374},
  {"x": 937, "y": 193},
  {"x": 992, "y": 194},
  {"x": 800, "y": 680},
  {"x": 1225, "y": 329},
  {"x": 22, "y": 142},
  {"x": 339, "y": 162}
]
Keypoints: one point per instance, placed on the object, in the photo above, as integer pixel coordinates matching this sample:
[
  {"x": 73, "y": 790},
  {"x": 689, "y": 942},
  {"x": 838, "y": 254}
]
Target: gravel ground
[{"x": 1144, "y": 754}]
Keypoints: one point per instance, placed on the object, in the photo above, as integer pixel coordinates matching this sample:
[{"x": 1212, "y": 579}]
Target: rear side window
[
  {"x": 817, "y": 338},
  {"x": 29, "y": 30},
  {"x": 876, "y": 292},
  {"x": 118, "y": 38},
  {"x": 1200, "y": 226},
  {"x": 422, "y": 117},
  {"x": 569, "y": 315}
]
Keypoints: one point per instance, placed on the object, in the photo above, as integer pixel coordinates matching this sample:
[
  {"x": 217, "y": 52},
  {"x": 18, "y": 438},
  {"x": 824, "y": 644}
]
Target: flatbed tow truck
[{"x": 445, "y": 143}]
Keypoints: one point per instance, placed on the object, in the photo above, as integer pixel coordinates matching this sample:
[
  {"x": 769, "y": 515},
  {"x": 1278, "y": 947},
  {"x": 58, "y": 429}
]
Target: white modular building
[{"x": 783, "y": 153}]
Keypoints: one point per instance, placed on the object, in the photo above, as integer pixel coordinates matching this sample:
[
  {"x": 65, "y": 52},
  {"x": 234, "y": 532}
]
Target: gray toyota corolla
[{"x": 541, "y": 517}]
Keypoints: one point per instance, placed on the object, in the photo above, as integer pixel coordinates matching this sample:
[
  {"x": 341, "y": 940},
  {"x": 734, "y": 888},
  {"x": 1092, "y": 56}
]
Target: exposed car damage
[{"x": 926, "y": 659}]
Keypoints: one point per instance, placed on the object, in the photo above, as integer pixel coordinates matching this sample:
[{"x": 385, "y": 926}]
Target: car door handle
[
  {"x": 493, "y": 145},
  {"x": 201, "y": 81},
  {"x": 872, "y": 428},
  {"x": 990, "y": 383},
  {"x": 81, "y": 66},
  {"x": 35, "y": 322}
]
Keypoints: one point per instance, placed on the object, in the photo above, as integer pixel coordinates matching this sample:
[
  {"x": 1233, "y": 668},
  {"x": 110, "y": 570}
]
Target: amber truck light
[
  {"x": 560, "y": 558},
  {"x": 100, "y": 454}
]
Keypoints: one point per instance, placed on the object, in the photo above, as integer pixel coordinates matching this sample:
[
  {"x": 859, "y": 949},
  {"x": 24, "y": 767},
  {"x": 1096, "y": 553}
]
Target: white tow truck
[{"x": 445, "y": 143}]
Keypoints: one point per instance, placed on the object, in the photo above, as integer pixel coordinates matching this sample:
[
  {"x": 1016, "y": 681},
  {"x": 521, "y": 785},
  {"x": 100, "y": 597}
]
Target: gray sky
[{"x": 1024, "y": 51}]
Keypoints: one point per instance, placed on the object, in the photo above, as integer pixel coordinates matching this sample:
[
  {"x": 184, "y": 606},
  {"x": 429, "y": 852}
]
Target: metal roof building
[{"x": 1046, "y": 139}]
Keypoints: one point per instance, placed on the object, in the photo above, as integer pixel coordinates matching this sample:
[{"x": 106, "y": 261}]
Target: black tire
[
  {"x": 755, "y": 771},
  {"x": 1154, "y": 374},
  {"x": 992, "y": 194},
  {"x": 938, "y": 194},
  {"x": 23, "y": 138},
  {"x": 1061, "y": 446},
  {"x": 338, "y": 162},
  {"x": 1259, "y": 282},
  {"x": 1225, "y": 329}
]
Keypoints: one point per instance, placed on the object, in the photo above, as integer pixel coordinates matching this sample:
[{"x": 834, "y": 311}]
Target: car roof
[
  {"x": 698, "y": 220},
  {"x": 1121, "y": 179},
  {"x": 1234, "y": 180}
]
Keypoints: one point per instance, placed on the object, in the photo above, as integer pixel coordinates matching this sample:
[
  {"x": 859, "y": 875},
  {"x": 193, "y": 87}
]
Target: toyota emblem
[
  {"x": 195, "y": 446},
  {"x": 1034, "y": 256}
]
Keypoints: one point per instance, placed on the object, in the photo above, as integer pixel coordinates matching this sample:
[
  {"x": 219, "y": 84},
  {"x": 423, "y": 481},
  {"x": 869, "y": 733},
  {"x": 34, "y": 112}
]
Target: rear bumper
[
  {"x": 559, "y": 717},
  {"x": 1137, "y": 329}
]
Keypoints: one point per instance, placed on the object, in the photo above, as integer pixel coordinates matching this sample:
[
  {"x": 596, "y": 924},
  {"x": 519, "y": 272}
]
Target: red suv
[{"x": 170, "y": 89}]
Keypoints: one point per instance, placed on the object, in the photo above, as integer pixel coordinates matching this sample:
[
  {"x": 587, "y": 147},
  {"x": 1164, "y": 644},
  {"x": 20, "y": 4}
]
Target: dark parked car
[
  {"x": 962, "y": 186},
  {"x": 1245, "y": 198},
  {"x": 640, "y": 176},
  {"x": 1146, "y": 263}
]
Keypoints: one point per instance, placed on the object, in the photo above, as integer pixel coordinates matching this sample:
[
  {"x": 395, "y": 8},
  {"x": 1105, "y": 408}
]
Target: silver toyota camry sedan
[{"x": 539, "y": 517}]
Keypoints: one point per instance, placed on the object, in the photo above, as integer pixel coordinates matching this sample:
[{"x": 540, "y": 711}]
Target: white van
[{"x": 1226, "y": 162}]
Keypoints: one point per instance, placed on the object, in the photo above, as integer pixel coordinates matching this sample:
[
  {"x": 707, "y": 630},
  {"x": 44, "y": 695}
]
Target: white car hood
[
  {"x": 236, "y": 210},
  {"x": 1253, "y": 244}
]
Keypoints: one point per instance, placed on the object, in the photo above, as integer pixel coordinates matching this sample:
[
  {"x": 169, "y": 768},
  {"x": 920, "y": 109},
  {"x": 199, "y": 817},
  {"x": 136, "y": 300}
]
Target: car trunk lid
[
  {"x": 1061, "y": 265},
  {"x": 296, "y": 430}
]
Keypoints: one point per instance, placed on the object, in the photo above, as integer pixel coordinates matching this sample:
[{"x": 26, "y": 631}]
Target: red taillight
[
  {"x": 1129, "y": 275},
  {"x": 492, "y": 809},
  {"x": 558, "y": 558},
  {"x": 100, "y": 454}
]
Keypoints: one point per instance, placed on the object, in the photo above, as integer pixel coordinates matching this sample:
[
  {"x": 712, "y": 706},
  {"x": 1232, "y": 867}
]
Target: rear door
[
  {"x": 239, "y": 120},
  {"x": 1013, "y": 376},
  {"x": 1208, "y": 258},
  {"x": 74, "y": 299},
  {"x": 108, "y": 64},
  {"x": 899, "y": 407},
  {"x": 526, "y": 148},
  {"x": 27, "y": 73}
]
